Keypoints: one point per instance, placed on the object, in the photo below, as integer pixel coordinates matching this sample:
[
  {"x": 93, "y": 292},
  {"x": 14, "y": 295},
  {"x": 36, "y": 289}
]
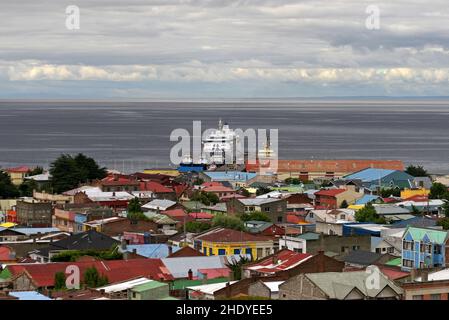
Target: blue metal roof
[
  {"x": 230, "y": 175},
  {"x": 29, "y": 295},
  {"x": 370, "y": 174},
  {"x": 366, "y": 198},
  {"x": 152, "y": 250}
]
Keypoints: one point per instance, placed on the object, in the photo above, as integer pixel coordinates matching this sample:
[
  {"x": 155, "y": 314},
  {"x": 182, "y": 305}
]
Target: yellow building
[
  {"x": 221, "y": 241},
  {"x": 18, "y": 174},
  {"x": 407, "y": 193},
  {"x": 166, "y": 171}
]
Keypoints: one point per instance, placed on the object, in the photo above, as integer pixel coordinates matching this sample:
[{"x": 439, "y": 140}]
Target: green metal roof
[
  {"x": 394, "y": 262},
  {"x": 184, "y": 283},
  {"x": 168, "y": 298},
  {"x": 437, "y": 236},
  {"x": 148, "y": 286}
]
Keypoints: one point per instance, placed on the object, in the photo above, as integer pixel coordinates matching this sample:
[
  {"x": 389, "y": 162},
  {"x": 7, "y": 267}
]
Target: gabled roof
[
  {"x": 43, "y": 275},
  {"x": 423, "y": 234},
  {"x": 329, "y": 192},
  {"x": 118, "y": 180},
  {"x": 186, "y": 252},
  {"x": 155, "y": 187},
  {"x": 180, "y": 266},
  {"x": 337, "y": 285},
  {"x": 280, "y": 261},
  {"x": 159, "y": 204},
  {"x": 159, "y": 250},
  {"x": 81, "y": 241}
]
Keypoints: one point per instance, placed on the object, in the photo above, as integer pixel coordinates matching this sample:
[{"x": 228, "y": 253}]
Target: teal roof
[
  {"x": 148, "y": 286},
  {"x": 418, "y": 234},
  {"x": 309, "y": 236}
]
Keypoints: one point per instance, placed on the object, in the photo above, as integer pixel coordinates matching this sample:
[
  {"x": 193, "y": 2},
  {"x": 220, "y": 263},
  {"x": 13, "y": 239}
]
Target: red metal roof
[
  {"x": 417, "y": 198},
  {"x": 201, "y": 215},
  {"x": 283, "y": 260},
  {"x": 174, "y": 213},
  {"x": 21, "y": 169},
  {"x": 186, "y": 252},
  {"x": 118, "y": 180},
  {"x": 329, "y": 192},
  {"x": 215, "y": 273},
  {"x": 43, "y": 275},
  {"x": 155, "y": 187}
]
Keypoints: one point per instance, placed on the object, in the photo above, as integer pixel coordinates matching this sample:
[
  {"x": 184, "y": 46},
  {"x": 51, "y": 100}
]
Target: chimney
[
  {"x": 123, "y": 244},
  {"x": 228, "y": 290},
  {"x": 190, "y": 274},
  {"x": 413, "y": 275},
  {"x": 425, "y": 276},
  {"x": 170, "y": 250}
]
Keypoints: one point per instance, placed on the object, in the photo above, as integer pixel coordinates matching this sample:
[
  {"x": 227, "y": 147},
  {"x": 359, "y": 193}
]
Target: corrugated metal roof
[{"x": 179, "y": 267}]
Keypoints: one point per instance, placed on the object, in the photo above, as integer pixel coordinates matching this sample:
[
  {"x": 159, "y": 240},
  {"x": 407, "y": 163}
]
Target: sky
[{"x": 149, "y": 49}]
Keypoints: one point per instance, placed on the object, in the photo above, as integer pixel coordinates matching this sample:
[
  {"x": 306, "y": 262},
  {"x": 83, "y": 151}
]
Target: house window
[
  {"x": 407, "y": 263},
  {"x": 280, "y": 219},
  {"x": 267, "y": 251},
  {"x": 437, "y": 249},
  {"x": 210, "y": 252},
  {"x": 342, "y": 217},
  {"x": 355, "y": 248},
  {"x": 221, "y": 252},
  {"x": 418, "y": 297},
  {"x": 267, "y": 209},
  {"x": 248, "y": 251},
  {"x": 259, "y": 252},
  {"x": 407, "y": 245},
  {"x": 390, "y": 250},
  {"x": 236, "y": 251},
  {"x": 378, "y": 250},
  {"x": 344, "y": 249},
  {"x": 205, "y": 251},
  {"x": 311, "y": 215},
  {"x": 435, "y": 296}
]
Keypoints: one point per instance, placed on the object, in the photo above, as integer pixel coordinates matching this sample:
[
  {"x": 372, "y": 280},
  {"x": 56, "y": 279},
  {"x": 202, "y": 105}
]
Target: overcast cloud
[{"x": 217, "y": 48}]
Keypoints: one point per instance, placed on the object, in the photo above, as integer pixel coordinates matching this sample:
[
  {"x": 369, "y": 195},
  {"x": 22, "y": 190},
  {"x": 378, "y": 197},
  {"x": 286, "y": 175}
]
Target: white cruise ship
[{"x": 218, "y": 146}]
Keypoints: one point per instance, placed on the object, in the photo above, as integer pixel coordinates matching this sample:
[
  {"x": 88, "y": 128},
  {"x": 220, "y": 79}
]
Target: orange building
[{"x": 327, "y": 169}]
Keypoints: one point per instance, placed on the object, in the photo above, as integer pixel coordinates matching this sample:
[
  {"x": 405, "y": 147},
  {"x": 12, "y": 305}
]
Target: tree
[
  {"x": 438, "y": 191},
  {"x": 262, "y": 190},
  {"x": 7, "y": 189},
  {"x": 244, "y": 192},
  {"x": 230, "y": 222},
  {"x": 444, "y": 223},
  {"x": 135, "y": 211},
  {"x": 255, "y": 216},
  {"x": 68, "y": 172},
  {"x": 206, "y": 198},
  {"x": 414, "y": 210},
  {"x": 60, "y": 280},
  {"x": 344, "y": 204},
  {"x": 416, "y": 171},
  {"x": 27, "y": 187},
  {"x": 446, "y": 208},
  {"x": 294, "y": 181},
  {"x": 36, "y": 171},
  {"x": 368, "y": 214},
  {"x": 93, "y": 279},
  {"x": 197, "y": 226},
  {"x": 388, "y": 192},
  {"x": 236, "y": 266}
]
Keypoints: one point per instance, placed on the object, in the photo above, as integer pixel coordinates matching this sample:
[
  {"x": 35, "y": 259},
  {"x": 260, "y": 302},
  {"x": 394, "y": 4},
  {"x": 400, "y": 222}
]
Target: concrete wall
[{"x": 300, "y": 288}]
